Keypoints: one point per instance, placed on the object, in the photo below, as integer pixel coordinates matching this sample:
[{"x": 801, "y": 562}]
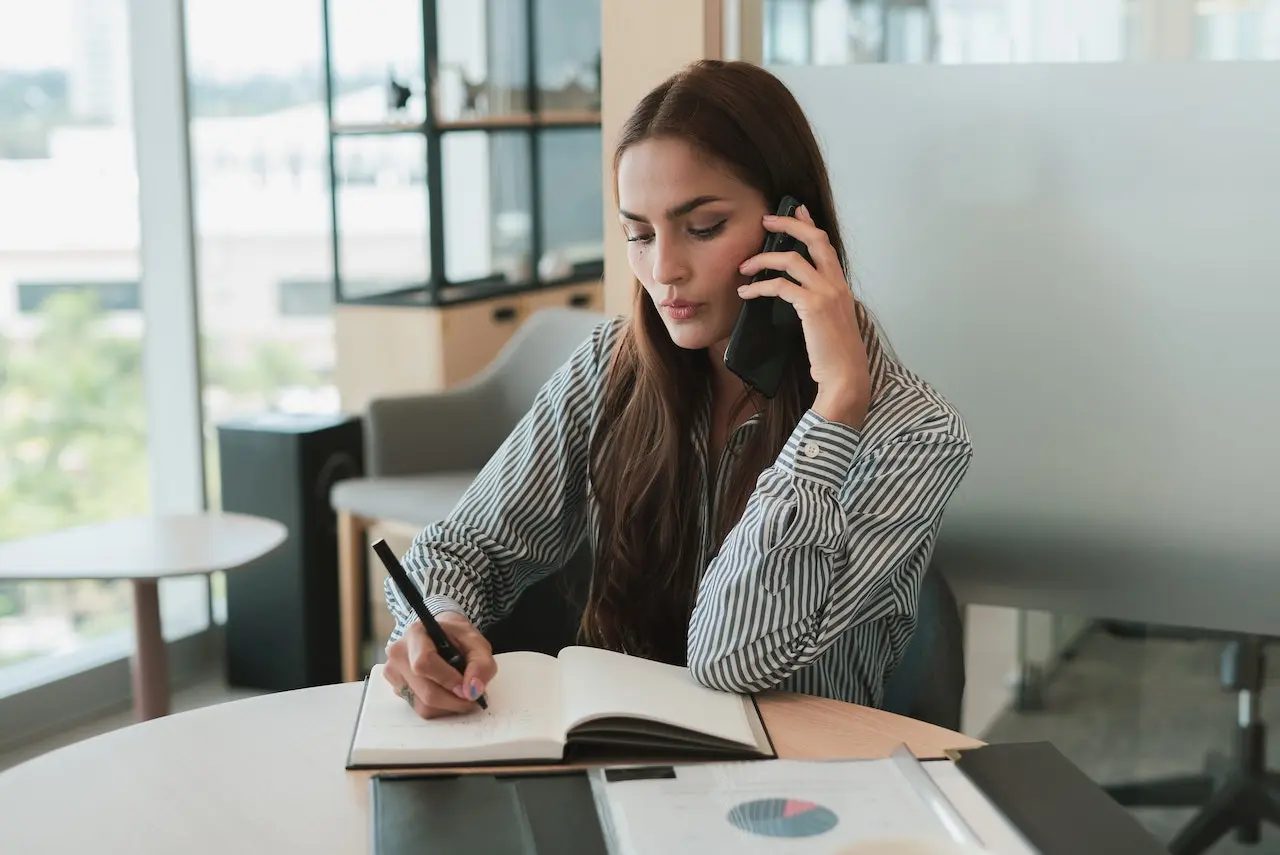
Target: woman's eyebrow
[{"x": 678, "y": 211}]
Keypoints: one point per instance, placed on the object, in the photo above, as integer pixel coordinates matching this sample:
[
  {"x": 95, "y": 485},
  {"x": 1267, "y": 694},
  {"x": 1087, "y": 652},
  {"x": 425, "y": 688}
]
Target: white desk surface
[
  {"x": 266, "y": 775},
  {"x": 143, "y": 547}
]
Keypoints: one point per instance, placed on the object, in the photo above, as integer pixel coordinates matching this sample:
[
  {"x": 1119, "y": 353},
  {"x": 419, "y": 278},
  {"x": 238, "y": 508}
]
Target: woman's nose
[{"x": 670, "y": 267}]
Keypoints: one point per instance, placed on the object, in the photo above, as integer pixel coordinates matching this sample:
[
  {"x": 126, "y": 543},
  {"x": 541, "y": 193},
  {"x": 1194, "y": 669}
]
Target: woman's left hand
[{"x": 826, "y": 306}]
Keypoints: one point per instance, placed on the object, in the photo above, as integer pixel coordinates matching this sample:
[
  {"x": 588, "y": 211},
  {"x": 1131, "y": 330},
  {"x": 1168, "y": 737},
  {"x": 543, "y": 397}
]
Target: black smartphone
[{"x": 767, "y": 334}]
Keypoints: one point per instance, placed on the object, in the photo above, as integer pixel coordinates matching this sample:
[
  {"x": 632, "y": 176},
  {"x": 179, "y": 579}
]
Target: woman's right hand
[{"x": 421, "y": 676}]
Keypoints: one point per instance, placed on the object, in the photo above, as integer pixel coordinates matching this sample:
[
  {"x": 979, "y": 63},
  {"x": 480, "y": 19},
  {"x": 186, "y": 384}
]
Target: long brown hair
[{"x": 644, "y": 470}]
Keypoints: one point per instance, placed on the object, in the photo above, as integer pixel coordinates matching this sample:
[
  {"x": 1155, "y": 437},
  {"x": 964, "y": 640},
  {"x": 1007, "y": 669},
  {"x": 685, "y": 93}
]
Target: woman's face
[{"x": 689, "y": 224}]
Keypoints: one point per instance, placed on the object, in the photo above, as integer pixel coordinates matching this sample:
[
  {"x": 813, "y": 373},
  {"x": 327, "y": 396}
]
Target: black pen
[{"x": 447, "y": 651}]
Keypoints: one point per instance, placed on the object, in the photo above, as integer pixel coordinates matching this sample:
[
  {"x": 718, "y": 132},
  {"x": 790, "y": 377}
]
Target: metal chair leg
[{"x": 1181, "y": 791}]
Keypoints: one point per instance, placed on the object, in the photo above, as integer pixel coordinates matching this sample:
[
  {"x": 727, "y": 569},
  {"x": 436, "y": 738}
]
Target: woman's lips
[{"x": 680, "y": 310}]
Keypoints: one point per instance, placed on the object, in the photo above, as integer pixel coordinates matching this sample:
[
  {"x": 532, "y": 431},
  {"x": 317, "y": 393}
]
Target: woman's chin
[{"x": 692, "y": 336}]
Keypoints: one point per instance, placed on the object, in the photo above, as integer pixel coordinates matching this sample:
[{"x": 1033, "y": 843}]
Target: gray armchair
[{"x": 423, "y": 451}]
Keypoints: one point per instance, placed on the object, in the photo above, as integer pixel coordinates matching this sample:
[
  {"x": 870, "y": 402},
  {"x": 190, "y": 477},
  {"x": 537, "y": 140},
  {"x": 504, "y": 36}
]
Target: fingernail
[
  {"x": 477, "y": 688},
  {"x": 461, "y": 692},
  {"x": 743, "y": 267},
  {"x": 803, "y": 211},
  {"x": 742, "y": 290},
  {"x": 769, "y": 217}
]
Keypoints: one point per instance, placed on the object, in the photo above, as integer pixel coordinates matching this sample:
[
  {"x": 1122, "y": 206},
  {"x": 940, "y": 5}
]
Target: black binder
[{"x": 1039, "y": 791}]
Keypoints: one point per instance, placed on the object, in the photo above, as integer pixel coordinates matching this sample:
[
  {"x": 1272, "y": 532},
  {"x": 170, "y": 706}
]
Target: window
[
  {"x": 108, "y": 296},
  {"x": 302, "y": 298},
  {"x": 78, "y": 441},
  {"x": 834, "y": 32},
  {"x": 788, "y": 32},
  {"x": 73, "y": 442},
  {"x": 259, "y": 163}
]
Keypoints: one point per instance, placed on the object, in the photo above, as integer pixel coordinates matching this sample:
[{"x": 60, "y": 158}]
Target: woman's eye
[
  {"x": 708, "y": 233},
  {"x": 639, "y": 238}
]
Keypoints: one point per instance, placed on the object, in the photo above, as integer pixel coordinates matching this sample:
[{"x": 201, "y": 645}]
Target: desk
[
  {"x": 144, "y": 550},
  {"x": 265, "y": 775}
]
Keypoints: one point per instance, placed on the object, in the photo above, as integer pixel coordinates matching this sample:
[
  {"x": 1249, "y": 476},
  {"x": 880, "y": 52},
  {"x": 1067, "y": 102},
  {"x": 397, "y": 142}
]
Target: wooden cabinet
[
  {"x": 400, "y": 350},
  {"x": 473, "y": 333},
  {"x": 588, "y": 295}
]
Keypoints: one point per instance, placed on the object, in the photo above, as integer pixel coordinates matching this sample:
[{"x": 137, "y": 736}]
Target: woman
[{"x": 763, "y": 542}]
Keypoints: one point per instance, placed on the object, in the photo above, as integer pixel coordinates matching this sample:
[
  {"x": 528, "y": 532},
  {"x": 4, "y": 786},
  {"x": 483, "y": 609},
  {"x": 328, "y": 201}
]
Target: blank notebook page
[
  {"x": 522, "y": 705},
  {"x": 596, "y": 682}
]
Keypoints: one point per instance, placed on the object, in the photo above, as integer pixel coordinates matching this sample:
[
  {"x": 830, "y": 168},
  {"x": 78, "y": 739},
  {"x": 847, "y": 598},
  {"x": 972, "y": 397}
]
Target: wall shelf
[
  {"x": 465, "y": 155},
  {"x": 465, "y": 166}
]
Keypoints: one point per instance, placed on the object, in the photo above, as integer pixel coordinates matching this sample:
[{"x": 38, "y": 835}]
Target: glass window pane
[
  {"x": 382, "y": 213},
  {"x": 73, "y": 443},
  {"x": 483, "y": 68},
  {"x": 488, "y": 222},
  {"x": 568, "y": 72},
  {"x": 376, "y": 55},
  {"x": 259, "y": 162},
  {"x": 1004, "y": 31},
  {"x": 570, "y": 176},
  {"x": 787, "y": 32}
]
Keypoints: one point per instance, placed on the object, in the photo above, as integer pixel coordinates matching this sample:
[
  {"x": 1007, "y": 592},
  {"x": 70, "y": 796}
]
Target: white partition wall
[{"x": 1086, "y": 260}]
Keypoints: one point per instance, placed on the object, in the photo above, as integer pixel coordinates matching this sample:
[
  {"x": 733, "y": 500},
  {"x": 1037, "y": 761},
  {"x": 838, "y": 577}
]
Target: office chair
[
  {"x": 546, "y": 616},
  {"x": 423, "y": 451},
  {"x": 928, "y": 683},
  {"x": 1235, "y": 794}
]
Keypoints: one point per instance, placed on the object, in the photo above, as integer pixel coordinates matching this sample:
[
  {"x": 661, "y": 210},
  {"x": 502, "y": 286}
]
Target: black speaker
[{"x": 282, "y": 627}]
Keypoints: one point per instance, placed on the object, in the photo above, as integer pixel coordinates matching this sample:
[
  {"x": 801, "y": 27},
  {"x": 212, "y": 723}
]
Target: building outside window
[
  {"x": 73, "y": 444},
  {"x": 838, "y": 32}
]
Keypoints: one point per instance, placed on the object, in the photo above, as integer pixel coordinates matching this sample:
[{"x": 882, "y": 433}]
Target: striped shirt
[{"x": 814, "y": 590}]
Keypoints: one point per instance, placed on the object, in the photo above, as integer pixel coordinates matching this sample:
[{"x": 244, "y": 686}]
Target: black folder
[
  {"x": 1058, "y": 810},
  {"x": 494, "y": 814}
]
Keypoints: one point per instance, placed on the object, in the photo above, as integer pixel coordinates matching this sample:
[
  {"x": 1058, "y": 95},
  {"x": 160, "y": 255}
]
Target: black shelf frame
[
  {"x": 356, "y": 129},
  {"x": 438, "y": 291}
]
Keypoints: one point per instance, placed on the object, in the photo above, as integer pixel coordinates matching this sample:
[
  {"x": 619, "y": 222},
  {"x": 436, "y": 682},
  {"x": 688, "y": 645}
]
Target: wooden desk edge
[{"x": 801, "y": 727}]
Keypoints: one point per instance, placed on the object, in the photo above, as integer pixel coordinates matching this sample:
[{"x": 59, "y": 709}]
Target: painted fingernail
[{"x": 476, "y": 688}]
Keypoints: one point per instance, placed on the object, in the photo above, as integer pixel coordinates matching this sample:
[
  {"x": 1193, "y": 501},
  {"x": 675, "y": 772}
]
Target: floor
[{"x": 1120, "y": 728}]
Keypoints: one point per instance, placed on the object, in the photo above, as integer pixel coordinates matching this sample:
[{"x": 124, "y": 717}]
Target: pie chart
[{"x": 782, "y": 818}]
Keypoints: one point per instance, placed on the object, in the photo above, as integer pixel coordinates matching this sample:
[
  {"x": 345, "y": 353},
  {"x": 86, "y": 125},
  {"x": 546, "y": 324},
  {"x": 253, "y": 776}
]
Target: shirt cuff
[
  {"x": 820, "y": 450},
  {"x": 439, "y": 603}
]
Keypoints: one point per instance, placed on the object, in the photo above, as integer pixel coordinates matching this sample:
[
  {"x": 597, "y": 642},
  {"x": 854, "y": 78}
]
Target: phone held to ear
[{"x": 768, "y": 333}]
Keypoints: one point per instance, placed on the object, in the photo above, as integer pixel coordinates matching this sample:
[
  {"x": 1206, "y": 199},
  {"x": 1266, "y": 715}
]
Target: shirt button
[{"x": 811, "y": 449}]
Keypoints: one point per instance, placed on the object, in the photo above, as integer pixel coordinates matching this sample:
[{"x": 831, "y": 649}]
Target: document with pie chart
[{"x": 775, "y": 806}]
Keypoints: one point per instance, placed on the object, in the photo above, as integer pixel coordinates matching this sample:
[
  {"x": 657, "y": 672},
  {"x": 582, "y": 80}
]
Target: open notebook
[{"x": 586, "y": 702}]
